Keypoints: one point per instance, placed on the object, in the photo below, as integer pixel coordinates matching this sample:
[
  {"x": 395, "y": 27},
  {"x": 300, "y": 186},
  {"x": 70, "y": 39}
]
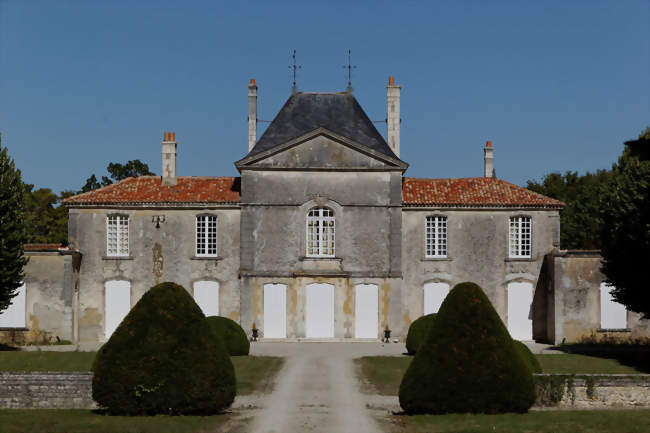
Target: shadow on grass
[{"x": 636, "y": 356}]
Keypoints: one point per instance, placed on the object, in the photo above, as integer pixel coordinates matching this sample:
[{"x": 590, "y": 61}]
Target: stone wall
[
  {"x": 46, "y": 390},
  {"x": 593, "y": 391}
]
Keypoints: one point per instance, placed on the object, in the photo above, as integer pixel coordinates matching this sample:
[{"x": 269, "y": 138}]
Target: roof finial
[
  {"x": 349, "y": 67},
  {"x": 294, "y": 67}
]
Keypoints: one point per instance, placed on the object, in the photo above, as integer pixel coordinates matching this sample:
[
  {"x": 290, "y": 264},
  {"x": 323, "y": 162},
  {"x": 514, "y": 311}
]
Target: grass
[
  {"x": 254, "y": 373},
  {"x": 587, "y": 421},
  {"x": 86, "y": 421},
  {"x": 383, "y": 374}
]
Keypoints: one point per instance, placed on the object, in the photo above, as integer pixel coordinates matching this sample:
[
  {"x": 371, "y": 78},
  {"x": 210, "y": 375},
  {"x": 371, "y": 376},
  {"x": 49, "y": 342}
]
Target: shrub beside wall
[
  {"x": 231, "y": 334},
  {"x": 467, "y": 362},
  {"x": 163, "y": 358},
  {"x": 527, "y": 356},
  {"x": 417, "y": 332}
]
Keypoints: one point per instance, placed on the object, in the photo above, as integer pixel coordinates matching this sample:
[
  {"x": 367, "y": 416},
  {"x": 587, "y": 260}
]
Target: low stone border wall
[
  {"x": 46, "y": 390},
  {"x": 592, "y": 391}
]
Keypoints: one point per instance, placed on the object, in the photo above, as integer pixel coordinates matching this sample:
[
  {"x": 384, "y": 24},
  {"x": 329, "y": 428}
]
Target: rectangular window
[
  {"x": 117, "y": 235},
  {"x": 436, "y": 236},
  {"x": 320, "y": 233},
  {"x": 520, "y": 236},
  {"x": 206, "y": 236}
]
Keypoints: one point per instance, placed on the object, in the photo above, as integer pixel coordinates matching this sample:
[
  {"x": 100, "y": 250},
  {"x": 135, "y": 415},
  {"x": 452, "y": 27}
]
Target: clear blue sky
[{"x": 556, "y": 85}]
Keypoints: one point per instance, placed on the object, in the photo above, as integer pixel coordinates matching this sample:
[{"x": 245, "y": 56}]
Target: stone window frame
[
  {"x": 435, "y": 243},
  {"x": 320, "y": 201},
  {"x": 119, "y": 252},
  {"x": 519, "y": 217},
  {"x": 196, "y": 243}
]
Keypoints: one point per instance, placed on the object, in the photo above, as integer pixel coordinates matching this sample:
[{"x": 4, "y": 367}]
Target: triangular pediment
[{"x": 322, "y": 149}]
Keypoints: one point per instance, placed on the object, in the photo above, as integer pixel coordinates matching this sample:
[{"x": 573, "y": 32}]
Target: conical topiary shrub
[
  {"x": 232, "y": 335},
  {"x": 530, "y": 360},
  {"x": 417, "y": 332},
  {"x": 467, "y": 362},
  {"x": 164, "y": 358}
]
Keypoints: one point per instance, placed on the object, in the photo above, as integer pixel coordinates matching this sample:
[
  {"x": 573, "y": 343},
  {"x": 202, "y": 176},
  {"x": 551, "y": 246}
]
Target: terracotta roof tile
[
  {"x": 148, "y": 189},
  {"x": 473, "y": 191},
  {"x": 43, "y": 247}
]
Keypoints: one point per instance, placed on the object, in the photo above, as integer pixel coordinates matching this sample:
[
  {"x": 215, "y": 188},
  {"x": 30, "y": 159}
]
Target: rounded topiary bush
[
  {"x": 164, "y": 358},
  {"x": 417, "y": 331},
  {"x": 231, "y": 334},
  {"x": 529, "y": 359},
  {"x": 467, "y": 362}
]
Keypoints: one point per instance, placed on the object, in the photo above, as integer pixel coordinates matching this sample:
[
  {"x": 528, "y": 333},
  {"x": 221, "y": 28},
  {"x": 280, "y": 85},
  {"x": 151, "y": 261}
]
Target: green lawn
[
  {"x": 383, "y": 374},
  {"x": 587, "y": 421},
  {"x": 254, "y": 373},
  {"x": 85, "y": 421}
]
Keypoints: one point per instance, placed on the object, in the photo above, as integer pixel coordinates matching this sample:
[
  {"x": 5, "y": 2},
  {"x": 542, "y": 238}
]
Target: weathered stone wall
[
  {"x": 478, "y": 251},
  {"x": 573, "y": 296},
  {"x": 156, "y": 255},
  {"x": 46, "y": 390},
  {"x": 594, "y": 391}
]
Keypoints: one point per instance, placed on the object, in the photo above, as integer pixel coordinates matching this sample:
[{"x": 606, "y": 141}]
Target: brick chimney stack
[
  {"x": 488, "y": 160},
  {"x": 169, "y": 159},
  {"x": 393, "y": 119},
  {"x": 252, "y": 114}
]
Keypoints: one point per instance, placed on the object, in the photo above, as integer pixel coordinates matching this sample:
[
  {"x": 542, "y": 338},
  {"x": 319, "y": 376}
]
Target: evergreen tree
[{"x": 13, "y": 234}]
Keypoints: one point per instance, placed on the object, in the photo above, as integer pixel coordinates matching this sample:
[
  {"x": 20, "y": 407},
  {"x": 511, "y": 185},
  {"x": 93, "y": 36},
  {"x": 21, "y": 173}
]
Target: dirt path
[{"x": 316, "y": 391}]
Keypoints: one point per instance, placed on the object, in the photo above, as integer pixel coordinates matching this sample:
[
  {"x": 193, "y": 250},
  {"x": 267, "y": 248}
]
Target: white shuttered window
[{"x": 117, "y": 235}]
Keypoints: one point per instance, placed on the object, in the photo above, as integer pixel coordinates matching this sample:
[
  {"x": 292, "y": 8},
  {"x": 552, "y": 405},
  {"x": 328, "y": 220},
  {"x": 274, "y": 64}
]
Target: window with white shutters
[
  {"x": 320, "y": 232},
  {"x": 117, "y": 235},
  {"x": 436, "y": 237},
  {"x": 521, "y": 229},
  {"x": 206, "y": 236}
]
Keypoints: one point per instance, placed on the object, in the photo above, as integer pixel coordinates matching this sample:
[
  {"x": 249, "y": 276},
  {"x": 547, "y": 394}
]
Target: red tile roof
[
  {"x": 469, "y": 192},
  {"x": 466, "y": 192},
  {"x": 148, "y": 189},
  {"x": 43, "y": 247}
]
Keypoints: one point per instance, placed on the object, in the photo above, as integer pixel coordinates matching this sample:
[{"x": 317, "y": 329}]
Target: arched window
[{"x": 320, "y": 232}]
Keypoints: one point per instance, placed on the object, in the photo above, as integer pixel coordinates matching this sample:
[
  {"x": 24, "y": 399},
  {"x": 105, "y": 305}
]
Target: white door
[
  {"x": 520, "y": 301},
  {"x": 366, "y": 311},
  {"x": 117, "y": 303},
  {"x": 275, "y": 311},
  {"x": 612, "y": 314},
  {"x": 434, "y": 294},
  {"x": 320, "y": 311},
  {"x": 206, "y": 295},
  {"x": 14, "y": 315}
]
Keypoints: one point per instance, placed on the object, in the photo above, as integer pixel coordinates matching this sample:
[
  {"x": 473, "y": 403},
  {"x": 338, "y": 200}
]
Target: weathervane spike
[
  {"x": 294, "y": 69},
  {"x": 349, "y": 67}
]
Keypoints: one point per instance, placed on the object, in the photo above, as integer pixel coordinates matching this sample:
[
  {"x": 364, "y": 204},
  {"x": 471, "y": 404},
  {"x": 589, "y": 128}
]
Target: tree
[
  {"x": 46, "y": 219},
  {"x": 12, "y": 229},
  {"x": 579, "y": 219},
  {"x": 117, "y": 172},
  {"x": 625, "y": 227}
]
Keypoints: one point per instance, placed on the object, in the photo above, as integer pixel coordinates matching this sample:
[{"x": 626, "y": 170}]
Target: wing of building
[{"x": 321, "y": 236}]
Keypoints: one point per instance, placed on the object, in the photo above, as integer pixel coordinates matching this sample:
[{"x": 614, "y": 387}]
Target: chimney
[
  {"x": 169, "y": 159},
  {"x": 252, "y": 114},
  {"x": 393, "y": 119},
  {"x": 488, "y": 165}
]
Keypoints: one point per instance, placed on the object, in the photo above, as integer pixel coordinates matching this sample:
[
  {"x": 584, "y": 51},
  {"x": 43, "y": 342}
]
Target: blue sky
[{"x": 556, "y": 85}]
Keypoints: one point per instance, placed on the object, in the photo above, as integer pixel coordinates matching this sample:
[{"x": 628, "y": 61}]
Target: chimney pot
[
  {"x": 252, "y": 81},
  {"x": 172, "y": 136},
  {"x": 488, "y": 144},
  {"x": 391, "y": 80}
]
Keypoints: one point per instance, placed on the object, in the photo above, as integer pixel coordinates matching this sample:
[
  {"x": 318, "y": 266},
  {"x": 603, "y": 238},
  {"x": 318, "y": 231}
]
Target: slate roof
[
  {"x": 464, "y": 192},
  {"x": 148, "y": 189},
  {"x": 471, "y": 192},
  {"x": 339, "y": 112}
]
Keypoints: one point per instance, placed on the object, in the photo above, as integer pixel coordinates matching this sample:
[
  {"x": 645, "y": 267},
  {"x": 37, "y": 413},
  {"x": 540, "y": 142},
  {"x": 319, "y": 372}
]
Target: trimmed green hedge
[
  {"x": 164, "y": 359},
  {"x": 467, "y": 362},
  {"x": 232, "y": 335},
  {"x": 417, "y": 332},
  {"x": 529, "y": 359}
]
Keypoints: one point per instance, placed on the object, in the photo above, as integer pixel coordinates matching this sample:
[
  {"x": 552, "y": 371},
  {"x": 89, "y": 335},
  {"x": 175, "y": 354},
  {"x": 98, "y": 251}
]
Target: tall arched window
[{"x": 320, "y": 232}]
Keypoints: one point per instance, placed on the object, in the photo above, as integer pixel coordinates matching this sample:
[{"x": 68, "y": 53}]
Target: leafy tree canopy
[
  {"x": 13, "y": 234},
  {"x": 625, "y": 229},
  {"x": 117, "y": 172},
  {"x": 579, "y": 220}
]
